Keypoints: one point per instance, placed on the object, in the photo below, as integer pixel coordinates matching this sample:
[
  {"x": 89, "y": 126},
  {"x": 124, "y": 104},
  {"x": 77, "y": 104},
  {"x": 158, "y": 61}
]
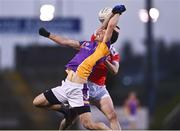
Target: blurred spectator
[{"x": 130, "y": 108}]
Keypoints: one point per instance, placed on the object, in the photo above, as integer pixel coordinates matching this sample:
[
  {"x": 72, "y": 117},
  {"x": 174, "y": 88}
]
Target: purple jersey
[
  {"x": 132, "y": 107},
  {"x": 87, "y": 48}
]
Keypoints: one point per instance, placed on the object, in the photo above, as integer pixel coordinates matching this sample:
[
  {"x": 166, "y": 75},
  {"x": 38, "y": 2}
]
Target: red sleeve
[
  {"x": 93, "y": 37},
  {"x": 116, "y": 58}
]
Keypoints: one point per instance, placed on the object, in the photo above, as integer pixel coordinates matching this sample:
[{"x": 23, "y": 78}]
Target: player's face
[{"x": 100, "y": 35}]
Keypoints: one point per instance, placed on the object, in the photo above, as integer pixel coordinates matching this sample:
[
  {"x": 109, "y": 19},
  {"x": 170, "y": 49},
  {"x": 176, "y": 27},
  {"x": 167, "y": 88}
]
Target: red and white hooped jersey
[{"x": 99, "y": 73}]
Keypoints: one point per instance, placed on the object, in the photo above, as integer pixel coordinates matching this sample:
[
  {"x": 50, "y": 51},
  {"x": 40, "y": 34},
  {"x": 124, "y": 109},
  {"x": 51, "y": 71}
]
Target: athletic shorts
[
  {"x": 76, "y": 95},
  {"x": 97, "y": 92}
]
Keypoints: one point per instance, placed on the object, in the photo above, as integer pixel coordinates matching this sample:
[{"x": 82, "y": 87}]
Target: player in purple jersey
[{"x": 74, "y": 90}]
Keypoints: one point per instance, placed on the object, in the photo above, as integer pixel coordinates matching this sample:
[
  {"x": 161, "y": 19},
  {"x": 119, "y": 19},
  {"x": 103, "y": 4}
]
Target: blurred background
[{"x": 149, "y": 45}]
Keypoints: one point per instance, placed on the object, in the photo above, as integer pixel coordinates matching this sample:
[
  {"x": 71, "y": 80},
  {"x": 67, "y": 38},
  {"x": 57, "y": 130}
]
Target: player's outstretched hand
[
  {"x": 118, "y": 9},
  {"x": 44, "y": 32}
]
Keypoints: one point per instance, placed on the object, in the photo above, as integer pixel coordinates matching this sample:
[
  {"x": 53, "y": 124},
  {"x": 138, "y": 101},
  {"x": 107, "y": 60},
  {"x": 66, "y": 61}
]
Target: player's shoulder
[
  {"x": 85, "y": 43},
  {"x": 88, "y": 44}
]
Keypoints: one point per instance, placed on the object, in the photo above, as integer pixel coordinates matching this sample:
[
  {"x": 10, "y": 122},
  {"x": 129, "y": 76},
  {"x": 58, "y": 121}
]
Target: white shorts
[
  {"x": 76, "y": 95},
  {"x": 97, "y": 92}
]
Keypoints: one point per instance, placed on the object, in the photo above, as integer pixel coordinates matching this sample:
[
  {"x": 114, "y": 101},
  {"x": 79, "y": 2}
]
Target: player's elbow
[{"x": 114, "y": 72}]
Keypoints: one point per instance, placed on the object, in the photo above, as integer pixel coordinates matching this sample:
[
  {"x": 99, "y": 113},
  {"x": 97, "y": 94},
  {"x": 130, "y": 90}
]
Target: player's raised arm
[
  {"x": 117, "y": 11},
  {"x": 59, "y": 39}
]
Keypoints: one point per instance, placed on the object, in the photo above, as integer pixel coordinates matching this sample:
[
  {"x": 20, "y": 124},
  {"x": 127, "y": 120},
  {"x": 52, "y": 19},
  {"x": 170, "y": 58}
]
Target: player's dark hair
[{"x": 114, "y": 36}]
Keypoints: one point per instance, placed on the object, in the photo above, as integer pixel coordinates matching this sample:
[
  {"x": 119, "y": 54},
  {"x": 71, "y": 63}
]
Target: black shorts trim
[
  {"x": 82, "y": 109},
  {"x": 51, "y": 97}
]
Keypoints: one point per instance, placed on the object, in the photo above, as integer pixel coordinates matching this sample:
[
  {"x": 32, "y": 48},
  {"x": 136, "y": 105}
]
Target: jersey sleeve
[
  {"x": 115, "y": 56},
  {"x": 93, "y": 37}
]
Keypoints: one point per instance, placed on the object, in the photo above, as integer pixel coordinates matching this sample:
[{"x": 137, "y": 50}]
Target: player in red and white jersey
[
  {"x": 100, "y": 71},
  {"x": 98, "y": 94}
]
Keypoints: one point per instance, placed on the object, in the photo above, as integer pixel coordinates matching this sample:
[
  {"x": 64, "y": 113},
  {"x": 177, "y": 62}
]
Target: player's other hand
[
  {"x": 44, "y": 32},
  {"x": 119, "y": 9}
]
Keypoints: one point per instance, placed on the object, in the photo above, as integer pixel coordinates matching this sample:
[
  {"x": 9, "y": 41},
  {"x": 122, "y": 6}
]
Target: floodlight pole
[{"x": 150, "y": 71}]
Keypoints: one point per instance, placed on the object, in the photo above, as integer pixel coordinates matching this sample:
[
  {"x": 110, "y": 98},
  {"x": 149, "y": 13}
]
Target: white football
[{"x": 104, "y": 13}]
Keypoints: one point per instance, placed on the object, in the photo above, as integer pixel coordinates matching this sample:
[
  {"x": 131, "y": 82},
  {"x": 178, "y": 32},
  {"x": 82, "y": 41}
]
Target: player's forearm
[
  {"x": 111, "y": 25},
  {"x": 113, "y": 21},
  {"x": 113, "y": 68},
  {"x": 58, "y": 39},
  {"x": 64, "y": 41}
]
